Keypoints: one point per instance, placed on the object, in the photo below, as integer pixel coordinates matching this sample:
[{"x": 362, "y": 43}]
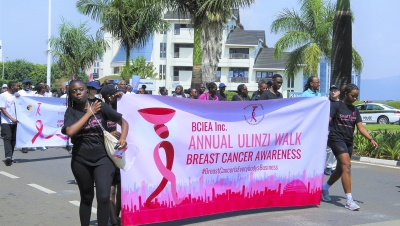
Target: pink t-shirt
[{"x": 206, "y": 96}]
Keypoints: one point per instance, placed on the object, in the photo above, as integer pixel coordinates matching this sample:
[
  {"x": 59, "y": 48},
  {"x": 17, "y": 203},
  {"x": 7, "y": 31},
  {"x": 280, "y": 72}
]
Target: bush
[
  {"x": 395, "y": 104},
  {"x": 229, "y": 95},
  {"x": 388, "y": 145}
]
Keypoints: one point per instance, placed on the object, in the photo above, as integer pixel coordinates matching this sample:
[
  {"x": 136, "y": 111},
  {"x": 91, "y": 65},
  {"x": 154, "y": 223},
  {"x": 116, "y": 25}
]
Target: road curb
[{"x": 376, "y": 161}]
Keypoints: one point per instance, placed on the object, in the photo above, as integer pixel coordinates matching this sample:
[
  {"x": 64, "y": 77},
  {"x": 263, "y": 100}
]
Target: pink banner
[{"x": 202, "y": 157}]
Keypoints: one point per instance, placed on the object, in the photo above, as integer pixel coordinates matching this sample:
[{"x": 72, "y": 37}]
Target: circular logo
[
  {"x": 29, "y": 107},
  {"x": 254, "y": 114}
]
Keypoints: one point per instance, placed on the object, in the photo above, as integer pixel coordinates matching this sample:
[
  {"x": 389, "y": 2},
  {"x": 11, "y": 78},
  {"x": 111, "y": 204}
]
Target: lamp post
[{"x": 2, "y": 75}]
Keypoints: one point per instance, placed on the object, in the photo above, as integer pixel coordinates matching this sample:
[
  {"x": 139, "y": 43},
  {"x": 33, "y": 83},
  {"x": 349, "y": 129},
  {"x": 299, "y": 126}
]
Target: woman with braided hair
[
  {"x": 90, "y": 163},
  {"x": 344, "y": 116}
]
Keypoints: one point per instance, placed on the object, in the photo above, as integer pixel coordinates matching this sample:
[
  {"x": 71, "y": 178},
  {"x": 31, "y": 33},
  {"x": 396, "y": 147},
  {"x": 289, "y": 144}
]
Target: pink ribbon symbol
[
  {"x": 168, "y": 175},
  {"x": 39, "y": 127},
  {"x": 253, "y": 114},
  {"x": 38, "y": 109}
]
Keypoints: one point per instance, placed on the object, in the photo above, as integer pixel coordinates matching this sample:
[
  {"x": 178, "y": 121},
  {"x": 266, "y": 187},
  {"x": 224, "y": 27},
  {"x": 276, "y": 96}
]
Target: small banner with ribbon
[{"x": 39, "y": 122}]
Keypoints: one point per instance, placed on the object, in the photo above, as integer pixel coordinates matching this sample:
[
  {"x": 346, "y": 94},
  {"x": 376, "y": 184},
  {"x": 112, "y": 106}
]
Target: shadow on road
[
  {"x": 227, "y": 215},
  {"x": 42, "y": 159}
]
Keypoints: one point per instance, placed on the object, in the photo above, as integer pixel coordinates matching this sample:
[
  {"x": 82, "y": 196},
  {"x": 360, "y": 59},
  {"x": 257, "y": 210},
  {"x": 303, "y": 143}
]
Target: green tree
[
  {"x": 139, "y": 66},
  {"x": 208, "y": 18},
  {"x": 75, "y": 50},
  {"x": 309, "y": 33},
  {"x": 131, "y": 22},
  {"x": 18, "y": 70}
]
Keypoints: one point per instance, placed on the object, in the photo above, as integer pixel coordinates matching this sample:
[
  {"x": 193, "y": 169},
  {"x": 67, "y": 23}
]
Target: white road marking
[
  {"x": 43, "y": 189},
  {"x": 373, "y": 164},
  {"x": 8, "y": 175},
  {"x": 77, "y": 203}
]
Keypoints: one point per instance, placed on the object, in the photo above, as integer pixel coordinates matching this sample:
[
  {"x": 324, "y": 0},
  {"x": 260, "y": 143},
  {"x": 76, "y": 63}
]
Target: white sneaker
[
  {"x": 351, "y": 205},
  {"x": 325, "y": 196}
]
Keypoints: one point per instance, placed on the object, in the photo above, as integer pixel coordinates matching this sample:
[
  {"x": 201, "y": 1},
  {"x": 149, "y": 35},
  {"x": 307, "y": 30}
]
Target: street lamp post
[{"x": 2, "y": 75}]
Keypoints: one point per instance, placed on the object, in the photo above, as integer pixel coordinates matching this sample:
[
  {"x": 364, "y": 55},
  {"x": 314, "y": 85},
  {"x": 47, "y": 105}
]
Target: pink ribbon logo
[
  {"x": 38, "y": 109},
  {"x": 253, "y": 114},
  {"x": 39, "y": 127}
]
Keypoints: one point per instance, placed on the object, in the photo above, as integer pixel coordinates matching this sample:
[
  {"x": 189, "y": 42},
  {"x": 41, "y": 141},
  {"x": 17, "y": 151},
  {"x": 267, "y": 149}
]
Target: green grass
[{"x": 388, "y": 127}]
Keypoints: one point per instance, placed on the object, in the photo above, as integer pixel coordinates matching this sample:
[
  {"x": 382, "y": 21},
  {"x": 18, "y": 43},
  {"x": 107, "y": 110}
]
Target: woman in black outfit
[
  {"x": 242, "y": 93},
  {"x": 344, "y": 116},
  {"x": 90, "y": 163}
]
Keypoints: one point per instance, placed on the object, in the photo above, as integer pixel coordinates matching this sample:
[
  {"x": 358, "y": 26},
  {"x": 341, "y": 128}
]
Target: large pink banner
[{"x": 202, "y": 157}]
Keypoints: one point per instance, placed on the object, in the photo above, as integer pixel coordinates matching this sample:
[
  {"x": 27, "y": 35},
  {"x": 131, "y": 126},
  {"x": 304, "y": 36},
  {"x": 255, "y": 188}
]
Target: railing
[
  {"x": 177, "y": 31},
  {"x": 239, "y": 79},
  {"x": 217, "y": 79},
  {"x": 176, "y": 55},
  {"x": 238, "y": 56},
  {"x": 176, "y": 78}
]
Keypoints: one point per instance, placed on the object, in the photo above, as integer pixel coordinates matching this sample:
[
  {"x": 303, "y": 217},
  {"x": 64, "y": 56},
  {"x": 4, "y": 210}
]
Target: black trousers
[
  {"x": 9, "y": 134},
  {"x": 86, "y": 176}
]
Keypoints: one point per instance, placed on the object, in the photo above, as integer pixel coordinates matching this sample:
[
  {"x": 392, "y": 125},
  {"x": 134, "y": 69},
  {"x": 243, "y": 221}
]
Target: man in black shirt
[
  {"x": 221, "y": 95},
  {"x": 273, "y": 93}
]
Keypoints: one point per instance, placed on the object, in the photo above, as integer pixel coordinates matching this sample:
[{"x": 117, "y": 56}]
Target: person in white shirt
[
  {"x": 26, "y": 88},
  {"x": 129, "y": 89},
  {"x": 9, "y": 121},
  {"x": 48, "y": 93}
]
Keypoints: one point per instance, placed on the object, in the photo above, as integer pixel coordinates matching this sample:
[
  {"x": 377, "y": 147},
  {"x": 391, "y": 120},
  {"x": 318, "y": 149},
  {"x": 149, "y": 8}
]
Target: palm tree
[
  {"x": 342, "y": 45},
  {"x": 131, "y": 22},
  {"x": 208, "y": 18},
  {"x": 75, "y": 50},
  {"x": 309, "y": 34}
]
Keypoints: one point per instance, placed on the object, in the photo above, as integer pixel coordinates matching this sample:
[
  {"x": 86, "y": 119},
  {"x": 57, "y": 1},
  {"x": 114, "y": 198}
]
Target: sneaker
[
  {"x": 8, "y": 161},
  {"x": 325, "y": 196},
  {"x": 351, "y": 205},
  {"x": 14, "y": 160}
]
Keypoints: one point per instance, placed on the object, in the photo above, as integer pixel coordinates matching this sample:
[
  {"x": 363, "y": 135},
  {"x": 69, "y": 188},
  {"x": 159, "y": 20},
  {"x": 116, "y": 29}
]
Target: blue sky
[{"x": 23, "y": 30}]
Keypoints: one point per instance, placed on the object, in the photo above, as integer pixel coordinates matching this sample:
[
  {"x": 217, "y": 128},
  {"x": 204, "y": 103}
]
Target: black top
[
  {"x": 334, "y": 104},
  {"x": 88, "y": 143},
  {"x": 254, "y": 95},
  {"x": 221, "y": 96},
  {"x": 236, "y": 97},
  {"x": 344, "y": 118},
  {"x": 268, "y": 95}
]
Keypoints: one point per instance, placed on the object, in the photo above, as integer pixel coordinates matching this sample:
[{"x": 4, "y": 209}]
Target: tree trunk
[
  {"x": 342, "y": 45},
  {"x": 211, "y": 36},
  {"x": 197, "y": 59},
  {"x": 127, "y": 64}
]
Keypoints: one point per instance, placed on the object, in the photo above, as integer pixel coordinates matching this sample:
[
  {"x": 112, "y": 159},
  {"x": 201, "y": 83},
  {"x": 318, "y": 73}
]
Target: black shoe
[
  {"x": 14, "y": 160},
  {"x": 8, "y": 161}
]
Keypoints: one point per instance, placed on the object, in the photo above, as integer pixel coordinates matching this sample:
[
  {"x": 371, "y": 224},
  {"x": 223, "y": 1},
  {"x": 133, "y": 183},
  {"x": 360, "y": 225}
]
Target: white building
[{"x": 245, "y": 58}]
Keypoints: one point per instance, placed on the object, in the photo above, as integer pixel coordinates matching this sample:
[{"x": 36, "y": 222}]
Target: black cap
[
  {"x": 108, "y": 91},
  {"x": 333, "y": 87}
]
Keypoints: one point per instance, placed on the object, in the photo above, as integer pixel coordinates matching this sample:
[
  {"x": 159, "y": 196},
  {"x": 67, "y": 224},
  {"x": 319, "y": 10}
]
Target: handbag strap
[{"x": 102, "y": 128}]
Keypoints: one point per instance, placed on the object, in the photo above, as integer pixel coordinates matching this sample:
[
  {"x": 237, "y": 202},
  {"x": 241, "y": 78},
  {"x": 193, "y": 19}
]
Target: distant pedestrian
[
  {"x": 179, "y": 92},
  {"x": 242, "y": 94},
  {"x": 344, "y": 117},
  {"x": 9, "y": 121},
  {"x": 211, "y": 94},
  {"x": 163, "y": 91},
  {"x": 221, "y": 92},
  {"x": 262, "y": 87},
  {"x": 330, "y": 162},
  {"x": 311, "y": 87},
  {"x": 258, "y": 90},
  {"x": 192, "y": 93}
]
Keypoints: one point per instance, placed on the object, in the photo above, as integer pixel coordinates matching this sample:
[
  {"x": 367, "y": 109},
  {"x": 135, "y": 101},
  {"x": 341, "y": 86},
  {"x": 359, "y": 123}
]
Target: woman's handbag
[{"x": 111, "y": 144}]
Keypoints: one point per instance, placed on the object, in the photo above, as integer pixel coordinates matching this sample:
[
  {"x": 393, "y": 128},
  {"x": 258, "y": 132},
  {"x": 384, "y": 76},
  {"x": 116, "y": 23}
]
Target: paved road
[{"x": 25, "y": 200}]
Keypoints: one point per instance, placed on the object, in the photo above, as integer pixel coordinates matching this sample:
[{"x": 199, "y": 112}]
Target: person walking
[
  {"x": 192, "y": 93},
  {"x": 242, "y": 93},
  {"x": 9, "y": 121},
  {"x": 330, "y": 162},
  {"x": 311, "y": 87},
  {"x": 273, "y": 93},
  {"x": 221, "y": 94},
  {"x": 90, "y": 163},
  {"x": 344, "y": 117},
  {"x": 262, "y": 87},
  {"x": 211, "y": 94},
  {"x": 179, "y": 92}
]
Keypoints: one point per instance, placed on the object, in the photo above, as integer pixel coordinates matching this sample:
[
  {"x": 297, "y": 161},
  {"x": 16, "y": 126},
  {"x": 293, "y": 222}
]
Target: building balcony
[
  {"x": 182, "y": 35},
  {"x": 238, "y": 79},
  {"x": 238, "y": 56}
]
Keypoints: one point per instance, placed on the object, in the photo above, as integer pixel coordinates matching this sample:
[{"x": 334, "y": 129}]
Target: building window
[
  {"x": 178, "y": 69},
  {"x": 162, "y": 69},
  {"x": 238, "y": 53},
  {"x": 288, "y": 92},
  {"x": 177, "y": 28},
  {"x": 163, "y": 50},
  {"x": 178, "y": 46},
  {"x": 164, "y": 30},
  {"x": 218, "y": 75},
  {"x": 290, "y": 82},
  {"x": 264, "y": 75},
  {"x": 238, "y": 75},
  {"x": 116, "y": 70}
]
